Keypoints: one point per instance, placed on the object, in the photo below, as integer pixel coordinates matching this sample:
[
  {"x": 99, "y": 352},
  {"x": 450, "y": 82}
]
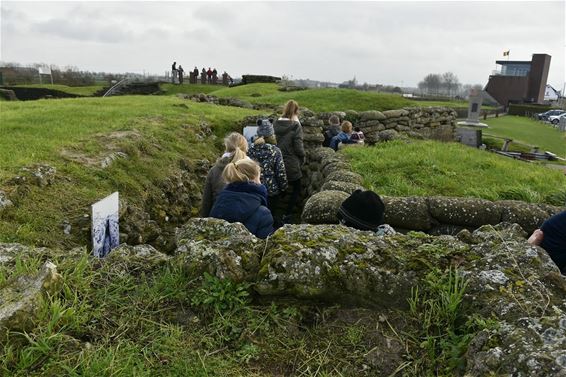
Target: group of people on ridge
[
  {"x": 209, "y": 76},
  {"x": 246, "y": 183}
]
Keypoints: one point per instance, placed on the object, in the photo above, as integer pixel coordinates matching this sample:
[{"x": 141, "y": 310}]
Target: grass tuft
[{"x": 428, "y": 168}]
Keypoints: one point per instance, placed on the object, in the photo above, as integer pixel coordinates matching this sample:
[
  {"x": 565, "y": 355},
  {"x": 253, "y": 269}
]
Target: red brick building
[{"x": 520, "y": 81}]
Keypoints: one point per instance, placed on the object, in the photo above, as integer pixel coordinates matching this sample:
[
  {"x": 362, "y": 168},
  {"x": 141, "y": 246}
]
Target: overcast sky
[{"x": 395, "y": 43}]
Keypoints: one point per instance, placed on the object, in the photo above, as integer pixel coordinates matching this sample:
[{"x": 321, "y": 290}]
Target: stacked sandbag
[
  {"x": 430, "y": 123},
  {"x": 329, "y": 180},
  {"x": 312, "y": 132}
]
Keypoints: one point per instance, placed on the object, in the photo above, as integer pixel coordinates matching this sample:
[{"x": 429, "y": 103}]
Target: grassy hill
[
  {"x": 324, "y": 99},
  {"x": 425, "y": 168},
  {"x": 123, "y": 317},
  {"x": 79, "y": 90},
  {"x": 75, "y": 135},
  {"x": 169, "y": 89},
  {"x": 528, "y": 131}
]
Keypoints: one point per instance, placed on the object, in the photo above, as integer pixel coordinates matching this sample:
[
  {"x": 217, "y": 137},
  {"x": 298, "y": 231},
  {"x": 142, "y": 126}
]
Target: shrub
[{"x": 526, "y": 110}]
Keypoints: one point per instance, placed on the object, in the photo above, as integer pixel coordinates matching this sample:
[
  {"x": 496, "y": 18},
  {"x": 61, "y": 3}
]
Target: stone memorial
[{"x": 470, "y": 131}]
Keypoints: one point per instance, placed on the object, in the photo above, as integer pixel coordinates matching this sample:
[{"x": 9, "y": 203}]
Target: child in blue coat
[
  {"x": 244, "y": 199},
  {"x": 343, "y": 137}
]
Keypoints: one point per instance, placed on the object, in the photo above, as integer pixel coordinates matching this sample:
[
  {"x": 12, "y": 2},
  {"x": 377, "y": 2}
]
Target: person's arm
[
  {"x": 265, "y": 226},
  {"x": 334, "y": 142},
  {"x": 536, "y": 238},
  {"x": 206, "y": 204},
  {"x": 298, "y": 146}
]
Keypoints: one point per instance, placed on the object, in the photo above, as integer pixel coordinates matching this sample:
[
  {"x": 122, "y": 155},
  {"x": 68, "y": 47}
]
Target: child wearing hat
[
  {"x": 244, "y": 199},
  {"x": 364, "y": 210},
  {"x": 270, "y": 159}
]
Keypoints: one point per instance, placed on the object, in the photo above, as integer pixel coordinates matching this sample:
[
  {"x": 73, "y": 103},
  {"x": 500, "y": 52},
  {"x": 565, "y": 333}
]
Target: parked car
[
  {"x": 555, "y": 119},
  {"x": 549, "y": 113}
]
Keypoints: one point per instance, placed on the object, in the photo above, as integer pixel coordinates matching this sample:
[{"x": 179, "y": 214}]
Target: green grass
[
  {"x": 79, "y": 90},
  {"x": 426, "y": 168},
  {"x": 527, "y": 131},
  {"x": 169, "y": 89},
  {"x": 124, "y": 318},
  {"x": 324, "y": 99},
  {"x": 38, "y": 131}
]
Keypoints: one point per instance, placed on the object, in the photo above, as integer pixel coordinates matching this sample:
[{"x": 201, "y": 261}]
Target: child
[
  {"x": 289, "y": 133},
  {"x": 357, "y": 136},
  {"x": 236, "y": 147},
  {"x": 332, "y": 130},
  {"x": 244, "y": 199},
  {"x": 269, "y": 157},
  {"x": 342, "y": 137}
]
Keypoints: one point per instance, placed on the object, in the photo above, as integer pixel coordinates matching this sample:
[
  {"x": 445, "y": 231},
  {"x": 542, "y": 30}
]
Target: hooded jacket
[
  {"x": 289, "y": 136},
  {"x": 213, "y": 186},
  {"x": 273, "y": 174},
  {"x": 246, "y": 203}
]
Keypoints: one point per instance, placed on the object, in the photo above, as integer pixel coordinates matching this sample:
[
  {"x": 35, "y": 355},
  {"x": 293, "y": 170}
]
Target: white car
[{"x": 555, "y": 119}]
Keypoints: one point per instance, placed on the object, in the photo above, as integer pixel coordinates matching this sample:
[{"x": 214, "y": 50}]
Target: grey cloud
[
  {"x": 386, "y": 42},
  {"x": 83, "y": 31}
]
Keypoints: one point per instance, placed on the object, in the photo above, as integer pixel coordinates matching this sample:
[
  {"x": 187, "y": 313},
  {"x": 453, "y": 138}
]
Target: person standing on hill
[
  {"x": 236, "y": 148},
  {"x": 244, "y": 199},
  {"x": 173, "y": 72},
  {"x": 181, "y": 71},
  {"x": 195, "y": 75},
  {"x": 289, "y": 134},
  {"x": 209, "y": 74},
  {"x": 270, "y": 159},
  {"x": 203, "y": 76},
  {"x": 214, "y": 76}
]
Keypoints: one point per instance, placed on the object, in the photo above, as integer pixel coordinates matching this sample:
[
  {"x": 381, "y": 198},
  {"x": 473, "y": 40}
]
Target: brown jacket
[{"x": 214, "y": 184}]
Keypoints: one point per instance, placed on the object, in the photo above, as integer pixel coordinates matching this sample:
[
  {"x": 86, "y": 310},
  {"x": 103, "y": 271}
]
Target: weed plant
[{"x": 444, "y": 329}]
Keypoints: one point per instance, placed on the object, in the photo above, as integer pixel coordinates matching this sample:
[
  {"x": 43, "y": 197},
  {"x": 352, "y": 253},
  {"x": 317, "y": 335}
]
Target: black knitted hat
[{"x": 362, "y": 210}]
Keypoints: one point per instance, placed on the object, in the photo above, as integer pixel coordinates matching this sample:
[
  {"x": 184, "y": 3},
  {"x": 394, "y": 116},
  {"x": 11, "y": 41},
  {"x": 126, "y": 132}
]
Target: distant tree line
[
  {"x": 445, "y": 84},
  {"x": 15, "y": 73},
  {"x": 440, "y": 84},
  {"x": 353, "y": 84}
]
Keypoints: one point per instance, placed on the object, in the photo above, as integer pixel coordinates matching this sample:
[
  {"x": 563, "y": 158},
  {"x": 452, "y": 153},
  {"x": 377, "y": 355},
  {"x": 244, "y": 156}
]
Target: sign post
[
  {"x": 45, "y": 70},
  {"x": 105, "y": 225}
]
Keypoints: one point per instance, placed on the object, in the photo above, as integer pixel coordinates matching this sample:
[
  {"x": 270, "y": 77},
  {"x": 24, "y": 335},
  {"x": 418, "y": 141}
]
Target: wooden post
[{"x": 506, "y": 143}]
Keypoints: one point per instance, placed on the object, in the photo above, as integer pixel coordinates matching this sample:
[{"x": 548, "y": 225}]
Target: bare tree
[
  {"x": 450, "y": 83},
  {"x": 431, "y": 84}
]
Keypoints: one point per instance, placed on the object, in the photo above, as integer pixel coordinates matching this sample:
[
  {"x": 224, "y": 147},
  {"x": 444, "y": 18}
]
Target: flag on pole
[{"x": 506, "y": 53}]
